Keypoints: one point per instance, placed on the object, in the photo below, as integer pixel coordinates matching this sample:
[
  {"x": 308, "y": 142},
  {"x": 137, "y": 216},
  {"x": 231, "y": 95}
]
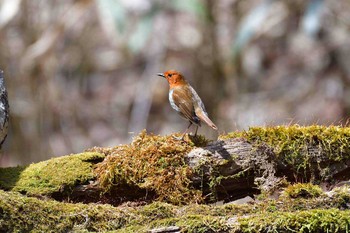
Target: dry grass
[{"x": 152, "y": 163}]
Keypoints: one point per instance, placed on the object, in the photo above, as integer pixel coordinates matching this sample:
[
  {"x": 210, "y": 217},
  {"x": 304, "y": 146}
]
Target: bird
[
  {"x": 185, "y": 101},
  {"x": 4, "y": 109}
]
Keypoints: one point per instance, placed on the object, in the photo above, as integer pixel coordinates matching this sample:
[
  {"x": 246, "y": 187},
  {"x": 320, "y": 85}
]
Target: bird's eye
[{"x": 169, "y": 75}]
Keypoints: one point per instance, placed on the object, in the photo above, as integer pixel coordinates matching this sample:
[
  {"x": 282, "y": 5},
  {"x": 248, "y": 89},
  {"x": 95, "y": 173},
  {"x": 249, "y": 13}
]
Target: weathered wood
[
  {"x": 171, "y": 229},
  {"x": 236, "y": 165},
  {"x": 235, "y": 168}
]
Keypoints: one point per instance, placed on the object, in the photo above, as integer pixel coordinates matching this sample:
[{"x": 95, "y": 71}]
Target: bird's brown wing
[
  {"x": 183, "y": 99},
  {"x": 199, "y": 109}
]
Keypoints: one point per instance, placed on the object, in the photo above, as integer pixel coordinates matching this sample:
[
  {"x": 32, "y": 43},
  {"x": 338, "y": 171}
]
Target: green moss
[
  {"x": 54, "y": 175},
  {"x": 200, "y": 223},
  {"x": 296, "y": 145},
  {"x": 155, "y": 164},
  {"x": 23, "y": 214},
  {"x": 332, "y": 220},
  {"x": 305, "y": 190},
  {"x": 156, "y": 210}
]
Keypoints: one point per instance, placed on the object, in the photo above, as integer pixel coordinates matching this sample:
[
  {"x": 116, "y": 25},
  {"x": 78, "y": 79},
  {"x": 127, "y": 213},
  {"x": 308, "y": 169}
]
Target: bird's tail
[{"x": 206, "y": 119}]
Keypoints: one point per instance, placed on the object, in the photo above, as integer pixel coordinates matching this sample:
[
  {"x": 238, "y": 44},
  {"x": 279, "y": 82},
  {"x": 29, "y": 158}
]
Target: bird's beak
[{"x": 161, "y": 75}]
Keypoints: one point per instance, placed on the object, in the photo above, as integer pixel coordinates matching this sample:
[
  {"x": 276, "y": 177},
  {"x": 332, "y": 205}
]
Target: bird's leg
[
  {"x": 195, "y": 134},
  {"x": 183, "y": 135}
]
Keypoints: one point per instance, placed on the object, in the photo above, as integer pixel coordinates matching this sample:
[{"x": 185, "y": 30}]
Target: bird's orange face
[{"x": 174, "y": 78}]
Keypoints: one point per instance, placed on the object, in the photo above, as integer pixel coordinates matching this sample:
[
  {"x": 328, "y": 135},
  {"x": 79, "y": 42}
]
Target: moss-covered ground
[
  {"x": 51, "y": 176},
  {"x": 323, "y": 213},
  {"x": 156, "y": 166}
]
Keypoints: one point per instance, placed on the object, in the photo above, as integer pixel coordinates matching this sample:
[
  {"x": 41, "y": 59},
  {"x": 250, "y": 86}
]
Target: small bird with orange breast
[{"x": 185, "y": 100}]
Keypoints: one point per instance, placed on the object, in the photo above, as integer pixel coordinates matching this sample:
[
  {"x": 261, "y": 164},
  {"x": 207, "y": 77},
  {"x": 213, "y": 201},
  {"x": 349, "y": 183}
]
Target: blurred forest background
[{"x": 82, "y": 73}]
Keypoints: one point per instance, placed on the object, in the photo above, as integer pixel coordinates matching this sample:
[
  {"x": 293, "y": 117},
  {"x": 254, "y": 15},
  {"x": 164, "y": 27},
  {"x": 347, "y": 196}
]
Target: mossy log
[
  {"x": 195, "y": 170},
  {"x": 238, "y": 164}
]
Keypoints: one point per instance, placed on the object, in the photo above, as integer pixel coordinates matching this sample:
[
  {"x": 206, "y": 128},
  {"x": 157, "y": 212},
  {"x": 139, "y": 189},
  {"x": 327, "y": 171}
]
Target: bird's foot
[{"x": 192, "y": 137}]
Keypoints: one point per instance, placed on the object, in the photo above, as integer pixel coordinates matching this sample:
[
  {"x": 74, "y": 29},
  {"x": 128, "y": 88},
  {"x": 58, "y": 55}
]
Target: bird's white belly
[{"x": 171, "y": 100}]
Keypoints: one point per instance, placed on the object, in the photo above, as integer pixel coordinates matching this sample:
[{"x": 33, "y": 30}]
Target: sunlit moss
[
  {"x": 331, "y": 220},
  {"x": 153, "y": 211},
  {"x": 305, "y": 190},
  {"x": 295, "y": 146},
  {"x": 50, "y": 176}
]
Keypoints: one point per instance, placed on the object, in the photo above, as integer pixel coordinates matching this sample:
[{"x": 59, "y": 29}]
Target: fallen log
[{"x": 162, "y": 168}]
